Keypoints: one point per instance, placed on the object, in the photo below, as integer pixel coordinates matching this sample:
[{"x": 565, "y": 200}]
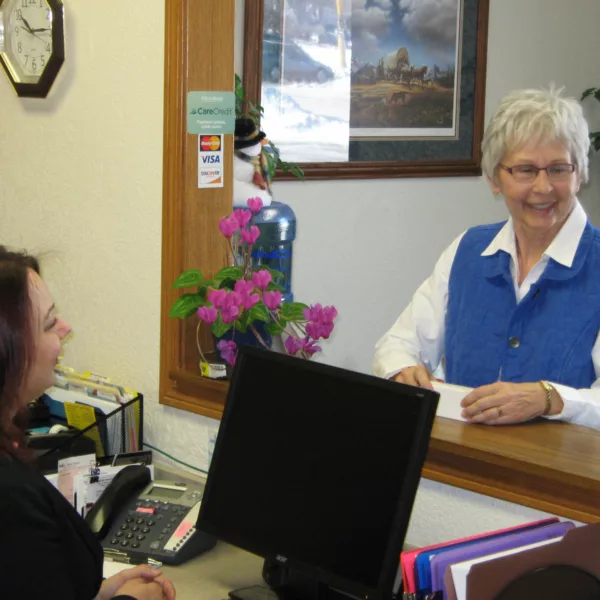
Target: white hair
[{"x": 541, "y": 117}]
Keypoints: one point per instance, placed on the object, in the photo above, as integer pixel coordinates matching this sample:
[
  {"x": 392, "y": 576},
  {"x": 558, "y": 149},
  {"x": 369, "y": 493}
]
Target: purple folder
[{"x": 441, "y": 561}]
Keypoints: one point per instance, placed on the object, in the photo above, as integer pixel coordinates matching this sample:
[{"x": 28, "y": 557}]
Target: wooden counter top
[{"x": 547, "y": 465}]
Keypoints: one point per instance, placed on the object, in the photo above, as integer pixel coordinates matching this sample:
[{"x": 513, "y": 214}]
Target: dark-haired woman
[{"x": 46, "y": 549}]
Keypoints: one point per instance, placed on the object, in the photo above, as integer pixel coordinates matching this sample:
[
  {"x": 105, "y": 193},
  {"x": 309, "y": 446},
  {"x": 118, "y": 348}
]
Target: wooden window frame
[{"x": 199, "y": 56}]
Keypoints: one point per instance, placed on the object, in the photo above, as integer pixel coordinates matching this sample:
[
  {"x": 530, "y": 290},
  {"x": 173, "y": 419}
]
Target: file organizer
[
  {"x": 443, "y": 560},
  {"x": 114, "y": 432},
  {"x": 424, "y": 559},
  {"x": 408, "y": 560},
  {"x": 568, "y": 568}
]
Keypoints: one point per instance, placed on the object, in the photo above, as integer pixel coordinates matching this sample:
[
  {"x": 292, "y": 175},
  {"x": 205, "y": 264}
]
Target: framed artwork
[{"x": 370, "y": 89}]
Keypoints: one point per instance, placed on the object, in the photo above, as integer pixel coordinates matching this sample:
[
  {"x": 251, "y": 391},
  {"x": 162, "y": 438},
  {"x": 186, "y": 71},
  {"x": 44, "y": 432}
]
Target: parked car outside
[{"x": 289, "y": 62}]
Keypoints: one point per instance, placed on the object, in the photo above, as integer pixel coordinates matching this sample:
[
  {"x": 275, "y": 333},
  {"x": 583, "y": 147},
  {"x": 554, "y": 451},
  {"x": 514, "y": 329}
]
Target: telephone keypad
[{"x": 156, "y": 527}]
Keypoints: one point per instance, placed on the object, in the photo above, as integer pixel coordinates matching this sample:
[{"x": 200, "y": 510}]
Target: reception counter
[{"x": 546, "y": 465}]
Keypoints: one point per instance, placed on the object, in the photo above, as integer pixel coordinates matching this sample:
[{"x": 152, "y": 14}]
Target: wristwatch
[{"x": 548, "y": 389}]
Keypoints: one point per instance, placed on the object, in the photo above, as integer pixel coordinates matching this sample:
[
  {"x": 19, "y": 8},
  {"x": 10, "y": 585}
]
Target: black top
[{"x": 46, "y": 549}]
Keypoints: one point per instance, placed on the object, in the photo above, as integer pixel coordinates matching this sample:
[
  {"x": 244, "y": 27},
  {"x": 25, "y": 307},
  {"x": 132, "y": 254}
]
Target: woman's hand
[
  {"x": 502, "y": 403},
  {"x": 114, "y": 584},
  {"x": 418, "y": 376},
  {"x": 142, "y": 589}
]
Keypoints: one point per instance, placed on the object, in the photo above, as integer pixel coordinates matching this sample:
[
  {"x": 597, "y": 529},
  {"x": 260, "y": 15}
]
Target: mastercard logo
[{"x": 212, "y": 143}]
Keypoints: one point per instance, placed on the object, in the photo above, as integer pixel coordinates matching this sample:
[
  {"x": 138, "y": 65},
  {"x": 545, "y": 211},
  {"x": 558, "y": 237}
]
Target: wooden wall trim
[{"x": 199, "y": 55}]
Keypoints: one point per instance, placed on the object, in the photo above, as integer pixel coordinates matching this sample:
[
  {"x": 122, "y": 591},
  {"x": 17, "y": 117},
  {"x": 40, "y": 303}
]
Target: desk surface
[
  {"x": 213, "y": 574},
  {"x": 547, "y": 465}
]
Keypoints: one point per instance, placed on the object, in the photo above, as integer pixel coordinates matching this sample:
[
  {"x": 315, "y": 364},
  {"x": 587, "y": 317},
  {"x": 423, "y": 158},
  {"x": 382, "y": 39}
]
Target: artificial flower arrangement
[{"x": 242, "y": 298}]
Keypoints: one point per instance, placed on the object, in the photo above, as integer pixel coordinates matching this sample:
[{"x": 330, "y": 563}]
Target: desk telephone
[{"x": 149, "y": 519}]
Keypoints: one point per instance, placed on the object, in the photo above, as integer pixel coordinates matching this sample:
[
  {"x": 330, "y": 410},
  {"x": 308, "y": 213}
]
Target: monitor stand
[{"x": 284, "y": 584}]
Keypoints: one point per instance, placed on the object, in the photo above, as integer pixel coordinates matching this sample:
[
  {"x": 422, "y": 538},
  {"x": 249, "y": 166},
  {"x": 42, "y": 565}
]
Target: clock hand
[
  {"x": 38, "y": 37},
  {"x": 27, "y": 25}
]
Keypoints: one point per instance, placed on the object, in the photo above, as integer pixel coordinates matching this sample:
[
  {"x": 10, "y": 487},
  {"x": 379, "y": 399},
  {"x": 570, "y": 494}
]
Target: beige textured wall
[{"x": 80, "y": 179}]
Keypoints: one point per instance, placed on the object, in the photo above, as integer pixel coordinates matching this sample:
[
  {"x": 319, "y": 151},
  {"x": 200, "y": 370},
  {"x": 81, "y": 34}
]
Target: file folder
[
  {"x": 408, "y": 559},
  {"x": 574, "y": 558},
  {"x": 423, "y": 560},
  {"x": 509, "y": 541}
]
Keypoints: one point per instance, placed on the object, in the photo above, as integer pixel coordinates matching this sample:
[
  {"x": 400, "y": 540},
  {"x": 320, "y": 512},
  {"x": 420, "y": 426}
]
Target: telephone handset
[{"x": 149, "y": 519}]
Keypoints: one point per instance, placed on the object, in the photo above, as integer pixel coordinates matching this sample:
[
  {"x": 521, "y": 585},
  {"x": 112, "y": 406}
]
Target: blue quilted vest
[{"x": 548, "y": 335}]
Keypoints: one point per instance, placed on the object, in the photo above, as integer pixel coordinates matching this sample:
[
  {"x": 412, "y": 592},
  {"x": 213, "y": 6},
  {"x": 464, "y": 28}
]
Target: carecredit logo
[
  {"x": 218, "y": 112},
  {"x": 212, "y": 143}
]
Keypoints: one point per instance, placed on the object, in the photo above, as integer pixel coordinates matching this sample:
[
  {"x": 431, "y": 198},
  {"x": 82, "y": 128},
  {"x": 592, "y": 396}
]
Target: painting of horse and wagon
[{"x": 403, "y": 76}]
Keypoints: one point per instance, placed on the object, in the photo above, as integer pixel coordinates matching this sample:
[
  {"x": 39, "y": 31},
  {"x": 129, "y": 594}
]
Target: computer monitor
[{"x": 316, "y": 468}]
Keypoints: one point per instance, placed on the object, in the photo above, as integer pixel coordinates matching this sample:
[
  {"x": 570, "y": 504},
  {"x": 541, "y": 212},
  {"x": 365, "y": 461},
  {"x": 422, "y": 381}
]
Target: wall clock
[{"x": 32, "y": 44}]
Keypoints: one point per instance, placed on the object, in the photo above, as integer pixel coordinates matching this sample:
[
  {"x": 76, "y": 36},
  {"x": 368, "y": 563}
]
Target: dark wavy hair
[{"x": 16, "y": 346}]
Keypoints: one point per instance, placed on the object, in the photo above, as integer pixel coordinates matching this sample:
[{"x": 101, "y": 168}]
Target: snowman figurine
[{"x": 251, "y": 178}]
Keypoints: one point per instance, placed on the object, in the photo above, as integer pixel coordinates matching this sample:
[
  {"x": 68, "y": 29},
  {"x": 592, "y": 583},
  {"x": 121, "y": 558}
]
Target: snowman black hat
[{"x": 247, "y": 133}]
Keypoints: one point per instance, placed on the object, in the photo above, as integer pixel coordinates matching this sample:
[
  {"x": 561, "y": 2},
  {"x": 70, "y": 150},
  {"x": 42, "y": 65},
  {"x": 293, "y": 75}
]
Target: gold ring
[{"x": 499, "y": 411}]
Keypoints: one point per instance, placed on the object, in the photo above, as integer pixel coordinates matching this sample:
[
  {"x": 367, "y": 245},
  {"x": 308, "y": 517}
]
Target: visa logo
[{"x": 211, "y": 159}]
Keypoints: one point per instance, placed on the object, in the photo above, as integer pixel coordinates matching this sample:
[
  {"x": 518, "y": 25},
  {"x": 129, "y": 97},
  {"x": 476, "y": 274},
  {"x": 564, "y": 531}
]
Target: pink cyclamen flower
[
  {"x": 216, "y": 297},
  {"x": 230, "y": 309},
  {"x": 250, "y": 235},
  {"x": 228, "y": 226},
  {"x": 208, "y": 314},
  {"x": 310, "y": 347},
  {"x": 313, "y": 313},
  {"x": 261, "y": 279},
  {"x": 320, "y": 320},
  {"x": 228, "y": 351},
  {"x": 244, "y": 286},
  {"x": 319, "y": 330},
  {"x": 292, "y": 344},
  {"x": 242, "y": 216},
  {"x": 255, "y": 204},
  {"x": 249, "y": 300},
  {"x": 272, "y": 299}
]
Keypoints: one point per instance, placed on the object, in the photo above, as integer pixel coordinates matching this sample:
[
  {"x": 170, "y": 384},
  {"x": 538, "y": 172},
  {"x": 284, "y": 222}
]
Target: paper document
[
  {"x": 450, "y": 398},
  {"x": 67, "y": 467},
  {"x": 112, "y": 568},
  {"x": 460, "y": 571}
]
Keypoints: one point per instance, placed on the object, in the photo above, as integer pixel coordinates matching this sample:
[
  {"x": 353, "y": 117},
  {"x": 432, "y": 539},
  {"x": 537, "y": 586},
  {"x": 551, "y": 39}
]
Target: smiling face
[
  {"x": 540, "y": 208},
  {"x": 48, "y": 332}
]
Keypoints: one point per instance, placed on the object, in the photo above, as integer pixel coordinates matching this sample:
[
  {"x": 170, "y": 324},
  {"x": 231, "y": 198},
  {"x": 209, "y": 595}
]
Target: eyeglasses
[{"x": 529, "y": 173}]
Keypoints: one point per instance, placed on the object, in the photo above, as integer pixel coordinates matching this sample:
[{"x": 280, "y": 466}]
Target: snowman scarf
[{"x": 262, "y": 176}]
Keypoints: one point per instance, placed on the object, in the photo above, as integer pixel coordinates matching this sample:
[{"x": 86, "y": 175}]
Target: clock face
[
  {"x": 32, "y": 44},
  {"x": 30, "y": 27}
]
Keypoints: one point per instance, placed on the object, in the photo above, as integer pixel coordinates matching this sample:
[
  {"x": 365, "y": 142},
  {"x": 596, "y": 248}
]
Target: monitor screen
[{"x": 318, "y": 467}]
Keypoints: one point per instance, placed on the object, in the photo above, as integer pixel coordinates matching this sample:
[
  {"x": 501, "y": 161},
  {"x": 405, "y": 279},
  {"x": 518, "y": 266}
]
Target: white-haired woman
[{"x": 513, "y": 309}]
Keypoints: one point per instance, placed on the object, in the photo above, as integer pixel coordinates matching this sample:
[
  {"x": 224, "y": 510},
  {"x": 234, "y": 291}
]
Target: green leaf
[
  {"x": 273, "y": 328},
  {"x": 219, "y": 328},
  {"x": 274, "y": 287},
  {"x": 298, "y": 172},
  {"x": 292, "y": 311},
  {"x": 259, "y": 312},
  {"x": 228, "y": 273},
  {"x": 186, "y": 305},
  {"x": 190, "y": 278},
  {"x": 242, "y": 323},
  {"x": 226, "y": 284},
  {"x": 587, "y": 93}
]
